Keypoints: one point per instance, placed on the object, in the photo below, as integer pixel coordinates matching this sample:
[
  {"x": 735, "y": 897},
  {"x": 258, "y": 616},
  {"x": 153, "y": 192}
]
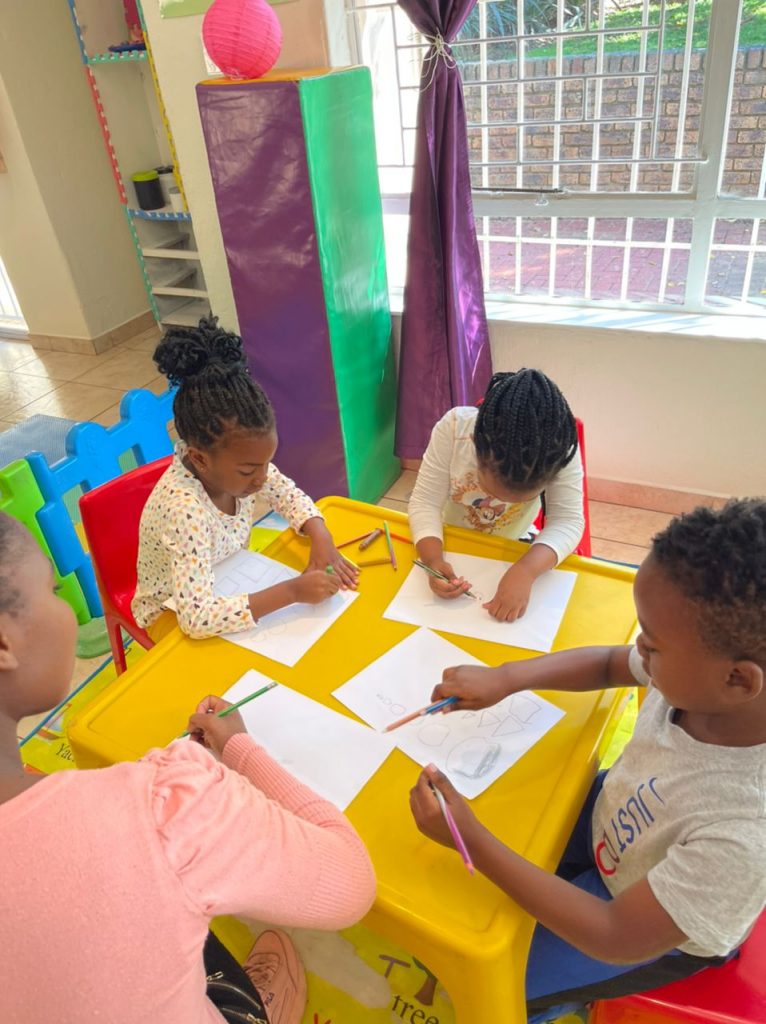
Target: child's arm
[
  {"x": 250, "y": 839},
  {"x": 201, "y": 612},
  {"x": 578, "y": 670},
  {"x": 628, "y": 929},
  {"x": 426, "y": 505},
  {"x": 304, "y": 517},
  {"x": 564, "y": 517},
  {"x": 564, "y": 524}
]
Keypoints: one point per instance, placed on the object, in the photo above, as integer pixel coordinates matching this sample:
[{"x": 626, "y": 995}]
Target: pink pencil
[{"x": 462, "y": 849}]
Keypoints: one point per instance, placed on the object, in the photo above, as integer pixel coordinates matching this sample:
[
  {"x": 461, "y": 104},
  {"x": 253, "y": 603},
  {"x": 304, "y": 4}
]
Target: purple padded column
[{"x": 257, "y": 154}]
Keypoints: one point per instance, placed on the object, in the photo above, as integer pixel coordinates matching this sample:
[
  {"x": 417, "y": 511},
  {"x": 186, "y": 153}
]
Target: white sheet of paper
[
  {"x": 286, "y": 635},
  {"x": 327, "y": 751},
  {"x": 401, "y": 680},
  {"x": 473, "y": 748},
  {"x": 536, "y": 630}
]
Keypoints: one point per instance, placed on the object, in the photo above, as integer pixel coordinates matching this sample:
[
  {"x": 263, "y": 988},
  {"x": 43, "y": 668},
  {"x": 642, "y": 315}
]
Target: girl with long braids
[
  {"x": 220, "y": 481},
  {"x": 488, "y": 468}
]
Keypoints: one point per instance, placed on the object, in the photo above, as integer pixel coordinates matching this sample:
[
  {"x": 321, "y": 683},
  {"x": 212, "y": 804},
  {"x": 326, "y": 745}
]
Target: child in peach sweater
[{"x": 111, "y": 876}]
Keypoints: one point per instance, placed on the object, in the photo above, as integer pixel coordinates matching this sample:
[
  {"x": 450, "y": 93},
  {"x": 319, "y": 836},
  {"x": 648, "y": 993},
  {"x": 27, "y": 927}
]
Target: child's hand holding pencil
[
  {"x": 213, "y": 730},
  {"x": 442, "y": 814}
]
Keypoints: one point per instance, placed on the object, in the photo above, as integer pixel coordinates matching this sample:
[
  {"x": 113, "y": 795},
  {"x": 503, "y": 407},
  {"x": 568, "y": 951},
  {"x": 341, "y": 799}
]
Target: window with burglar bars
[{"x": 617, "y": 147}]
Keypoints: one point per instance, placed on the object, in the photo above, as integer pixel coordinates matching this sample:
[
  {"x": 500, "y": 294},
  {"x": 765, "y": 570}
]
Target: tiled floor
[
  {"x": 80, "y": 387},
  {"x": 85, "y": 387}
]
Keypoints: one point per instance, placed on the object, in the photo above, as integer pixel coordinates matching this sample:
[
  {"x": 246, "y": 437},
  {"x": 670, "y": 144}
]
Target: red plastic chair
[
  {"x": 111, "y": 515},
  {"x": 734, "y": 993},
  {"x": 584, "y": 547}
]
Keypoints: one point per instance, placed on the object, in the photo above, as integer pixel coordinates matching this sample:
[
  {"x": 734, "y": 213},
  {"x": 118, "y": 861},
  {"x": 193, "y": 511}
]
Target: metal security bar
[{"x": 564, "y": 127}]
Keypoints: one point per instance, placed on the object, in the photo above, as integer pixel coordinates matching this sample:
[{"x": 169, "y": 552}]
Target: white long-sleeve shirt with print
[
  {"x": 448, "y": 490},
  {"x": 183, "y": 535}
]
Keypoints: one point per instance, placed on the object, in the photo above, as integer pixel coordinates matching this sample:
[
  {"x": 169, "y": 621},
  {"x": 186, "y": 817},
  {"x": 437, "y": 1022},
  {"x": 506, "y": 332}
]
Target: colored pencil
[
  {"x": 345, "y": 544},
  {"x": 404, "y": 540},
  {"x": 390, "y": 545},
  {"x": 245, "y": 700},
  {"x": 428, "y": 710},
  {"x": 440, "y": 576},
  {"x": 374, "y": 561},
  {"x": 458, "y": 840},
  {"x": 370, "y": 539}
]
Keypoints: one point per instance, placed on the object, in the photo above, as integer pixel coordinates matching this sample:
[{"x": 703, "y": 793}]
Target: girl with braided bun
[
  {"x": 487, "y": 469},
  {"x": 220, "y": 481}
]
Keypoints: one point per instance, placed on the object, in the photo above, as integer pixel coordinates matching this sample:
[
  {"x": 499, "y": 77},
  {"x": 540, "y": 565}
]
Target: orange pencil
[{"x": 375, "y": 561}]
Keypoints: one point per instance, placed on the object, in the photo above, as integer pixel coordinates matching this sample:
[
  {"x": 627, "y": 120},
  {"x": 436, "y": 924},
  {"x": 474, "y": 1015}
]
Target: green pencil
[
  {"x": 390, "y": 545},
  {"x": 440, "y": 576},
  {"x": 235, "y": 707}
]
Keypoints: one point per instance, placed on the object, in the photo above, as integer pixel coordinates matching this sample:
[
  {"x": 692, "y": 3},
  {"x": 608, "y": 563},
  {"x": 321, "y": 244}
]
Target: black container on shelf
[{"x": 148, "y": 190}]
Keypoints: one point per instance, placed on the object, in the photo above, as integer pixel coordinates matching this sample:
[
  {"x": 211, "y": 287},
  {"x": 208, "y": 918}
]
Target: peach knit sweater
[{"x": 110, "y": 877}]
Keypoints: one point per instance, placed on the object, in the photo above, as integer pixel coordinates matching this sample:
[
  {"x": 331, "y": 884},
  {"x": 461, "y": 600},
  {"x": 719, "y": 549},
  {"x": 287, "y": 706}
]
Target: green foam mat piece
[
  {"x": 93, "y": 639},
  {"x": 337, "y": 108},
  {"x": 21, "y": 498}
]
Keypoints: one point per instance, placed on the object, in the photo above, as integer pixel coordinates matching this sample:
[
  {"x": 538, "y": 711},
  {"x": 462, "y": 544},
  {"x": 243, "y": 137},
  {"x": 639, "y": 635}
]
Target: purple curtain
[{"x": 445, "y": 357}]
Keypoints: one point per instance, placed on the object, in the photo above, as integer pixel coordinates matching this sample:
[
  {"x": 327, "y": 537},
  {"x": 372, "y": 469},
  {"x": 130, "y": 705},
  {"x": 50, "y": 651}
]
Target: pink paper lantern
[{"x": 243, "y": 37}]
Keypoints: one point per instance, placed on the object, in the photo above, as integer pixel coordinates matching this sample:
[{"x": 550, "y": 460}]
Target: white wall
[
  {"x": 177, "y": 48},
  {"x": 64, "y": 238},
  {"x": 36, "y": 265},
  {"x": 685, "y": 413}
]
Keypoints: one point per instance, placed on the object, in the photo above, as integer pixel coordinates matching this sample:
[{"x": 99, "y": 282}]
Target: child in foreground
[
  {"x": 220, "y": 482},
  {"x": 487, "y": 469},
  {"x": 665, "y": 872},
  {"x": 111, "y": 877}
]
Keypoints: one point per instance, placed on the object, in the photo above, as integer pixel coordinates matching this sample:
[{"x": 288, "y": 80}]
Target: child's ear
[
  {"x": 198, "y": 458},
  {"x": 8, "y": 660},
  {"x": 745, "y": 680}
]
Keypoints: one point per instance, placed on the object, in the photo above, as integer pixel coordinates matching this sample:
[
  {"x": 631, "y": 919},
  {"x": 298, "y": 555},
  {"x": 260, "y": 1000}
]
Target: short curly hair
[
  {"x": 717, "y": 559},
  {"x": 12, "y": 538}
]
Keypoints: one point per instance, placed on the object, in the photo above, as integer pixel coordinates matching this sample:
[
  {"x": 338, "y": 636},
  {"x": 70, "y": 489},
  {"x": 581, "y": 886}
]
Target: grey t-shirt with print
[{"x": 690, "y": 817}]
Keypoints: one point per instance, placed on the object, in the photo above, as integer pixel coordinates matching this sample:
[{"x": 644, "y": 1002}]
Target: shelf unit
[{"x": 137, "y": 136}]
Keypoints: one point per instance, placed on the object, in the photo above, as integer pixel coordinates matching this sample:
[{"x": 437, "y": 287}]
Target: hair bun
[{"x": 187, "y": 352}]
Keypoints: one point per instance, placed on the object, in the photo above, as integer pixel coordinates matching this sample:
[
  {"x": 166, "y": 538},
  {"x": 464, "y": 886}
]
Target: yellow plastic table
[{"x": 468, "y": 933}]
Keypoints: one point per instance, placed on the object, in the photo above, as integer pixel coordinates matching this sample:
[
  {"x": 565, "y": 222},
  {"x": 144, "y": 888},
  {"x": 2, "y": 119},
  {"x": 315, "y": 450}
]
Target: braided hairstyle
[
  {"x": 525, "y": 431},
  {"x": 717, "y": 559},
  {"x": 215, "y": 391}
]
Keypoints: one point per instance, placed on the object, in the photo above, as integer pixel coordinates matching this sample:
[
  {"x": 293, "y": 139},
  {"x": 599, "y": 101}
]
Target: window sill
[{"x": 689, "y": 325}]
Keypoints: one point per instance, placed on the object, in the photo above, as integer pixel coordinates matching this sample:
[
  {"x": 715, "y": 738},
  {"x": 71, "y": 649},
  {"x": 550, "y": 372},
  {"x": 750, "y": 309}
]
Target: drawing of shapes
[
  {"x": 384, "y": 699},
  {"x": 473, "y": 758},
  {"x": 397, "y": 709},
  {"x": 489, "y": 718},
  {"x": 226, "y": 587},
  {"x": 433, "y": 734},
  {"x": 469, "y": 714},
  {"x": 523, "y": 708},
  {"x": 508, "y": 727},
  {"x": 269, "y": 632}
]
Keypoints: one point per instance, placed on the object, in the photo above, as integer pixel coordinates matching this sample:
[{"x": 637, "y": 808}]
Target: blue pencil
[{"x": 428, "y": 710}]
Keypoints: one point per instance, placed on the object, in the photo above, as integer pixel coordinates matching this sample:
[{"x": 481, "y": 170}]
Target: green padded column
[{"x": 340, "y": 149}]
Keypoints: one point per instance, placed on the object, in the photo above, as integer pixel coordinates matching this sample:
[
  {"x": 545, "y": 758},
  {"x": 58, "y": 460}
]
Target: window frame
[{"x": 702, "y": 205}]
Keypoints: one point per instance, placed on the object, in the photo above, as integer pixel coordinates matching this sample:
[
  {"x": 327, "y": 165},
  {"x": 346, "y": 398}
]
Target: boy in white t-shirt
[{"x": 665, "y": 872}]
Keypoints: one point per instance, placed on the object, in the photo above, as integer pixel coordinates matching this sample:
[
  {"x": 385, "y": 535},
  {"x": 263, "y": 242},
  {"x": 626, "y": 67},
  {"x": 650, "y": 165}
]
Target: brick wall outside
[{"x": 747, "y": 129}]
